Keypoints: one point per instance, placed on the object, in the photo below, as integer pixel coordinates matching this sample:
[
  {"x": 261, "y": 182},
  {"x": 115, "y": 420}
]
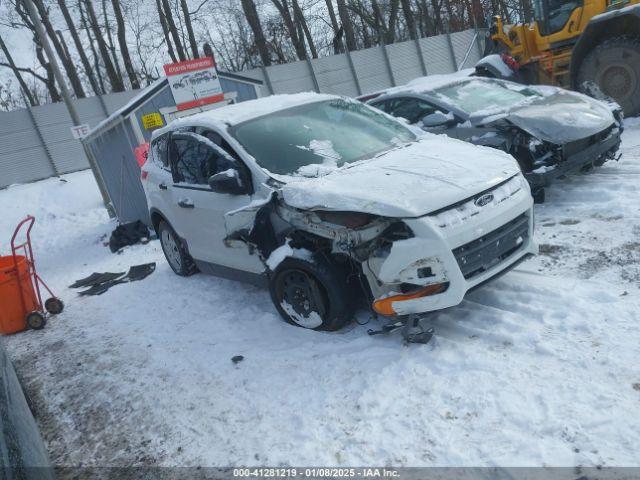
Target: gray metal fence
[
  {"x": 37, "y": 143},
  {"x": 371, "y": 69}
]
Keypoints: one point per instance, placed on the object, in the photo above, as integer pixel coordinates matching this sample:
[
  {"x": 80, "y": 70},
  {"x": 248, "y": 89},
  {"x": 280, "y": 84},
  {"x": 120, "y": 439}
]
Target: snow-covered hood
[
  {"x": 558, "y": 118},
  {"x": 410, "y": 181}
]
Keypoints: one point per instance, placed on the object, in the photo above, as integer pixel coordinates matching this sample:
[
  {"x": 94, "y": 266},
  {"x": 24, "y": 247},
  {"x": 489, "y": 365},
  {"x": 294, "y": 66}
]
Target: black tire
[
  {"x": 175, "y": 252},
  {"x": 312, "y": 287},
  {"x": 54, "y": 305},
  {"x": 614, "y": 66},
  {"x": 538, "y": 195},
  {"x": 36, "y": 321}
]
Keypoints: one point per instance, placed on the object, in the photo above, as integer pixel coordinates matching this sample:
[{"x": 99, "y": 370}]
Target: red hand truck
[{"x": 35, "y": 314}]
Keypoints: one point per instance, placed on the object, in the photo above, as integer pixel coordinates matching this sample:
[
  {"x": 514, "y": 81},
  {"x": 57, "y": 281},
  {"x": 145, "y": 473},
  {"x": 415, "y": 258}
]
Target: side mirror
[
  {"x": 228, "y": 181},
  {"x": 435, "y": 119}
]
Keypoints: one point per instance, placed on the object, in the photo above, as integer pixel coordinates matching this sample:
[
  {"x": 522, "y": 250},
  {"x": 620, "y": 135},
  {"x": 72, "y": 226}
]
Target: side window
[
  {"x": 193, "y": 161},
  {"x": 384, "y": 106},
  {"x": 159, "y": 151},
  {"x": 559, "y": 13},
  {"x": 413, "y": 109},
  {"x": 216, "y": 138}
]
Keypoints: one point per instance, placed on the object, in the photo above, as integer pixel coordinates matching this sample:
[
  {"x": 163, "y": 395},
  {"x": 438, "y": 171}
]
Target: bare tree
[
  {"x": 67, "y": 62},
  {"x": 171, "y": 25},
  {"x": 187, "y": 22},
  {"x": 251, "y": 13},
  {"x": 346, "y": 25},
  {"x": 79, "y": 47},
  {"x": 49, "y": 81},
  {"x": 117, "y": 84},
  {"x": 110, "y": 42},
  {"x": 304, "y": 26},
  {"x": 17, "y": 72},
  {"x": 298, "y": 43},
  {"x": 94, "y": 53},
  {"x": 165, "y": 31},
  {"x": 124, "y": 48},
  {"x": 409, "y": 18},
  {"x": 338, "y": 31}
]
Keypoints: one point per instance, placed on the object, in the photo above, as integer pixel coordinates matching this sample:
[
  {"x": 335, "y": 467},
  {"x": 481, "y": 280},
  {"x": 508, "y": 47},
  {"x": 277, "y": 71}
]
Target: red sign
[{"x": 194, "y": 82}]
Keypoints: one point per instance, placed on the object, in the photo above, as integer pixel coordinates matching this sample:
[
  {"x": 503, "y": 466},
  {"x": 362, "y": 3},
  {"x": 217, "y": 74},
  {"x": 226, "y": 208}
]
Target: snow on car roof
[
  {"x": 431, "y": 82},
  {"x": 240, "y": 112}
]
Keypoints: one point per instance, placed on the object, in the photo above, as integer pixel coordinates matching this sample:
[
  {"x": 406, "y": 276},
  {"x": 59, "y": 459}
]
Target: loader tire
[{"x": 614, "y": 66}]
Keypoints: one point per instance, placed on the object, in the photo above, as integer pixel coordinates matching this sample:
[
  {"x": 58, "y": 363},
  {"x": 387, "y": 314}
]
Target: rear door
[{"x": 199, "y": 211}]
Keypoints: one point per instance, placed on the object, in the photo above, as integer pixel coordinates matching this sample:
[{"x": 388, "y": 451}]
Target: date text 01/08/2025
[{"x": 327, "y": 473}]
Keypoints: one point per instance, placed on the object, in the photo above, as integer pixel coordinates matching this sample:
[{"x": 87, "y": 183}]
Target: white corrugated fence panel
[
  {"x": 22, "y": 155},
  {"x": 405, "y": 61},
  {"x": 291, "y": 78},
  {"x": 334, "y": 75},
  {"x": 436, "y": 54},
  {"x": 371, "y": 69},
  {"x": 461, "y": 42}
]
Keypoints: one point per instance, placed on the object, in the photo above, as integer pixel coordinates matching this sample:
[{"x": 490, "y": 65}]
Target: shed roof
[{"x": 149, "y": 92}]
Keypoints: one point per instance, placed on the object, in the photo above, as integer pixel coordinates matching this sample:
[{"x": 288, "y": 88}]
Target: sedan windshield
[
  {"x": 316, "y": 138},
  {"x": 475, "y": 96}
]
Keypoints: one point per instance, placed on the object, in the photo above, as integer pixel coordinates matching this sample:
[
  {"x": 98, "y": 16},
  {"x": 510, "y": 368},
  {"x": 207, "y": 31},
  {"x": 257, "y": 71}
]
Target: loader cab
[{"x": 553, "y": 15}]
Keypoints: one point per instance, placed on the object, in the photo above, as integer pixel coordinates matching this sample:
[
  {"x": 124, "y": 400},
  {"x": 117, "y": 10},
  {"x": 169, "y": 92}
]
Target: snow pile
[
  {"x": 312, "y": 320},
  {"x": 496, "y": 62},
  {"x": 240, "y": 112},
  {"x": 324, "y": 149}
]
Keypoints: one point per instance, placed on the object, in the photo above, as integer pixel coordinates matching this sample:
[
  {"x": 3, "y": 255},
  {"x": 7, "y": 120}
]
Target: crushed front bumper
[
  {"x": 591, "y": 155},
  {"x": 461, "y": 256}
]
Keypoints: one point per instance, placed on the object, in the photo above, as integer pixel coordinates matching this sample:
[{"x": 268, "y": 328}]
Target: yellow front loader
[{"x": 577, "y": 44}]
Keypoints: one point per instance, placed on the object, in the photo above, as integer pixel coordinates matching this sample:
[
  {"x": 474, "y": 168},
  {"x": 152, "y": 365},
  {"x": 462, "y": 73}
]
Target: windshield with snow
[
  {"x": 477, "y": 96},
  {"x": 313, "y": 139}
]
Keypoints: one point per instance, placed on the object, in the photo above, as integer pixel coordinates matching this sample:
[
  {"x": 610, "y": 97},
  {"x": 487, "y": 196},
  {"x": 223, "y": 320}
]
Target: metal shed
[{"x": 111, "y": 143}]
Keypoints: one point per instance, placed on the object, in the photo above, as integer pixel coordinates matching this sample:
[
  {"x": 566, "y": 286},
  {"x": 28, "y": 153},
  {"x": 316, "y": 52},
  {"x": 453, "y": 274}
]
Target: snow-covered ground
[{"x": 538, "y": 368}]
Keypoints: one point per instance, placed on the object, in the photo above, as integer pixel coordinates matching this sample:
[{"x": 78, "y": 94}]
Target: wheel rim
[
  {"x": 301, "y": 298},
  {"x": 171, "y": 250},
  {"x": 618, "y": 81},
  {"x": 35, "y": 320}
]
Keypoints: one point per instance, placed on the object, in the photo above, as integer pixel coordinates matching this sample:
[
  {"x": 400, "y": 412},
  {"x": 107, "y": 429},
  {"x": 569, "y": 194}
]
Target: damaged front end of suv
[{"x": 403, "y": 254}]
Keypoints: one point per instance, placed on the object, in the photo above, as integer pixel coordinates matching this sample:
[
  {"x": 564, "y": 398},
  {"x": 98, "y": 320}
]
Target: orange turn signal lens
[{"x": 383, "y": 306}]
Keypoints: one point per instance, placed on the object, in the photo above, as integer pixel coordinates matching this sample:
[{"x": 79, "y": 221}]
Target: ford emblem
[{"x": 483, "y": 200}]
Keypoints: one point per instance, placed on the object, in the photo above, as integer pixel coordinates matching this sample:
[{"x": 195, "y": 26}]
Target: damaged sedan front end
[{"x": 550, "y": 131}]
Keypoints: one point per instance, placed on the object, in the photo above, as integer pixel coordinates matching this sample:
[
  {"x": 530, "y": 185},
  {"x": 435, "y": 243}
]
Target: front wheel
[
  {"x": 614, "y": 66},
  {"x": 312, "y": 294},
  {"x": 175, "y": 252}
]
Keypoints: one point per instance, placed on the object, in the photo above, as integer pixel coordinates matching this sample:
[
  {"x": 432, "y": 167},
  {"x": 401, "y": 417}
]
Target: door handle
[
  {"x": 162, "y": 186},
  {"x": 185, "y": 203}
]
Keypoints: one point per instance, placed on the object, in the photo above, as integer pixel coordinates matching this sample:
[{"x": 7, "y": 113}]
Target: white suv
[{"x": 328, "y": 200}]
